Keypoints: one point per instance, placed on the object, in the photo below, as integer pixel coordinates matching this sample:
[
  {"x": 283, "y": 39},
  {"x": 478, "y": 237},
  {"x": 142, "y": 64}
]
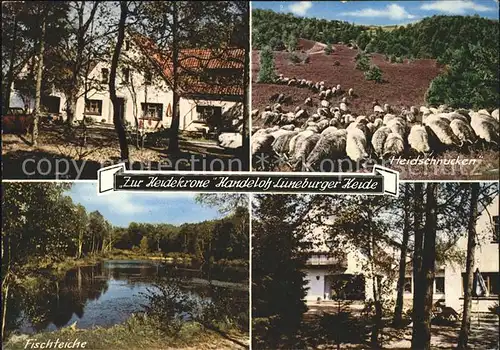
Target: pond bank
[{"x": 136, "y": 333}]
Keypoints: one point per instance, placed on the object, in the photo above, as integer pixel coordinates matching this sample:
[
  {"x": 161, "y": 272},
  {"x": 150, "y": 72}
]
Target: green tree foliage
[
  {"x": 267, "y": 72},
  {"x": 144, "y": 245},
  {"x": 362, "y": 62},
  {"x": 328, "y": 49},
  {"x": 374, "y": 73},
  {"x": 278, "y": 286},
  {"x": 268, "y": 25},
  {"x": 471, "y": 79}
]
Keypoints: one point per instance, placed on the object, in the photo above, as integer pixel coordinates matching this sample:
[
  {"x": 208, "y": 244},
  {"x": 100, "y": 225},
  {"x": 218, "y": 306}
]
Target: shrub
[
  {"x": 266, "y": 72},
  {"x": 336, "y": 63},
  {"x": 374, "y": 73},
  {"x": 89, "y": 120},
  {"x": 362, "y": 62},
  {"x": 328, "y": 49},
  {"x": 307, "y": 59},
  {"x": 294, "y": 58}
]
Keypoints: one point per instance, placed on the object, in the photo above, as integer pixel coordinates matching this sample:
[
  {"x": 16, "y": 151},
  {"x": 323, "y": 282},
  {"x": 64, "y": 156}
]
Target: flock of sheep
[{"x": 334, "y": 132}]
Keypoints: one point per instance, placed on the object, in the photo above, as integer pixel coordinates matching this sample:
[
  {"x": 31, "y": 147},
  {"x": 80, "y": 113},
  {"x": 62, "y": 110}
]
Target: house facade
[
  {"x": 324, "y": 272},
  {"x": 144, "y": 89}
]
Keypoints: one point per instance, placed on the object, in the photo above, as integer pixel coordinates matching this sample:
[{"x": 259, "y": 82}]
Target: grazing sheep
[
  {"x": 454, "y": 115},
  {"x": 441, "y": 128},
  {"x": 325, "y": 103},
  {"x": 255, "y": 113},
  {"x": 388, "y": 117},
  {"x": 378, "y": 139},
  {"x": 394, "y": 144},
  {"x": 397, "y": 127},
  {"x": 485, "y": 127},
  {"x": 301, "y": 114},
  {"x": 331, "y": 145},
  {"x": 463, "y": 131},
  {"x": 303, "y": 150},
  {"x": 494, "y": 114},
  {"x": 262, "y": 144},
  {"x": 338, "y": 87},
  {"x": 308, "y": 101},
  {"x": 281, "y": 144},
  {"x": 387, "y": 108},
  {"x": 329, "y": 130},
  {"x": 433, "y": 110},
  {"x": 350, "y": 92},
  {"x": 277, "y": 107},
  {"x": 328, "y": 93},
  {"x": 298, "y": 137},
  {"x": 418, "y": 139},
  {"x": 269, "y": 117},
  {"x": 343, "y": 107},
  {"x": 424, "y": 110},
  {"x": 361, "y": 117},
  {"x": 378, "y": 122},
  {"x": 323, "y": 124},
  {"x": 289, "y": 127},
  {"x": 323, "y": 111},
  {"x": 322, "y": 95},
  {"x": 377, "y": 109},
  {"x": 356, "y": 144},
  {"x": 484, "y": 111}
]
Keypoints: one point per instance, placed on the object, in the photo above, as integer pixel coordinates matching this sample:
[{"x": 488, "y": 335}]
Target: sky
[
  {"x": 381, "y": 12},
  {"x": 122, "y": 208}
]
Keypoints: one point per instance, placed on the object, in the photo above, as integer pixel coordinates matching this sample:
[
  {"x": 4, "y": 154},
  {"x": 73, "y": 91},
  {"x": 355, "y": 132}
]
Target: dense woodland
[
  {"x": 421, "y": 226},
  {"x": 467, "y": 45},
  {"x": 42, "y": 223}
]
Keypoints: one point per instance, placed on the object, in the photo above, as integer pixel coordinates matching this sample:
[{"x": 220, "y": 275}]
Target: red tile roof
[{"x": 192, "y": 62}]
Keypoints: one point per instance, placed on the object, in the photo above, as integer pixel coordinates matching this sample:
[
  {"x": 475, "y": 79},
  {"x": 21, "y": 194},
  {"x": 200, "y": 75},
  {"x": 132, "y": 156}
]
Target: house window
[
  {"x": 93, "y": 107},
  {"x": 126, "y": 75},
  {"x": 439, "y": 281},
  {"x": 407, "y": 285},
  {"x": 104, "y": 75},
  {"x": 496, "y": 234},
  {"x": 491, "y": 280},
  {"x": 152, "y": 110},
  {"x": 209, "y": 113}
]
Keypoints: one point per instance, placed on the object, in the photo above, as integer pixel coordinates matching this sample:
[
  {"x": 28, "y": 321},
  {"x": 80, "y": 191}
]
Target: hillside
[
  {"x": 405, "y": 84},
  {"x": 468, "y": 45}
]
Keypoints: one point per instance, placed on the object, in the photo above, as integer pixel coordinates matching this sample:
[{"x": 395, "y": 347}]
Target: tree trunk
[
  {"x": 173, "y": 146},
  {"x": 246, "y": 107},
  {"x": 398, "y": 311},
  {"x": 117, "y": 120},
  {"x": 10, "y": 72},
  {"x": 418, "y": 248},
  {"x": 70, "y": 108},
  {"x": 421, "y": 338},
  {"x": 471, "y": 246},
  {"x": 39, "y": 76},
  {"x": 5, "y": 296}
]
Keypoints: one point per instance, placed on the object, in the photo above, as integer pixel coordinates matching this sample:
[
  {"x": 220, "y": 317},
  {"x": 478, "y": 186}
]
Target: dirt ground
[
  {"x": 60, "y": 155},
  {"x": 404, "y": 84},
  {"x": 319, "y": 332}
]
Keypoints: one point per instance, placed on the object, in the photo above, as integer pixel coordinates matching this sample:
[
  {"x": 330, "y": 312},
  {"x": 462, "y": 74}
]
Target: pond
[{"x": 106, "y": 294}]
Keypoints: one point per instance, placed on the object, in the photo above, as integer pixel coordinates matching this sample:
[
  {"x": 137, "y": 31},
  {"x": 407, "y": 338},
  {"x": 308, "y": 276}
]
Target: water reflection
[{"x": 99, "y": 295}]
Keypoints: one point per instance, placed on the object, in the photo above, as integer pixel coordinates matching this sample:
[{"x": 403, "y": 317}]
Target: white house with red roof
[{"x": 211, "y": 86}]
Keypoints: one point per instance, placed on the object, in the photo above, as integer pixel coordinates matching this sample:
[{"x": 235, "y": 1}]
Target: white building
[
  {"x": 323, "y": 271},
  {"x": 145, "y": 92}
]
